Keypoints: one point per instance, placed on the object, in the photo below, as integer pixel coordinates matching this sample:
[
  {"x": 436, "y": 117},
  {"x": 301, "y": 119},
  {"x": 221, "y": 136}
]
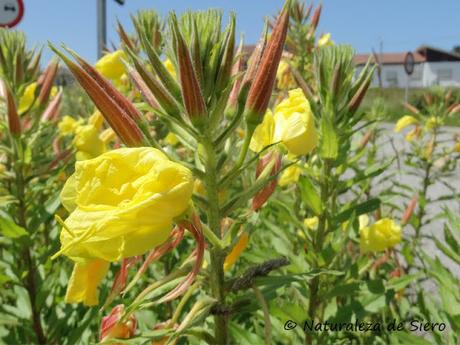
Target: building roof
[{"x": 422, "y": 54}]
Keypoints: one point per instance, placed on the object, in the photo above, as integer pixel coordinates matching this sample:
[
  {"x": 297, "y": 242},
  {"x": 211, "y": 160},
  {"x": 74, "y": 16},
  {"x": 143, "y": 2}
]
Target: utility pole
[
  {"x": 101, "y": 27},
  {"x": 101, "y": 10}
]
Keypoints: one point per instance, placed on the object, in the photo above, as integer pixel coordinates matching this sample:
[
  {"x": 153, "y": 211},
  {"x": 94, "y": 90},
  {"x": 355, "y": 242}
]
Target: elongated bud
[
  {"x": 142, "y": 87},
  {"x": 106, "y": 100},
  {"x": 226, "y": 66},
  {"x": 112, "y": 328},
  {"x": 409, "y": 210},
  {"x": 455, "y": 108},
  {"x": 46, "y": 81},
  {"x": 162, "y": 95},
  {"x": 411, "y": 108},
  {"x": 315, "y": 20},
  {"x": 428, "y": 98},
  {"x": 124, "y": 36},
  {"x": 355, "y": 102},
  {"x": 262, "y": 87},
  {"x": 52, "y": 110},
  {"x": 365, "y": 139},
  {"x": 254, "y": 60},
  {"x": 14, "y": 124},
  {"x": 191, "y": 91},
  {"x": 236, "y": 69},
  {"x": 260, "y": 198}
]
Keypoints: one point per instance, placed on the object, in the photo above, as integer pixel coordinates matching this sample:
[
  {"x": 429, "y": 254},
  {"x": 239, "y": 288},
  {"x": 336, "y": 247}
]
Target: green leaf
[
  {"x": 400, "y": 283},
  {"x": 363, "y": 208},
  {"x": 329, "y": 144},
  {"x": 309, "y": 195},
  {"x": 10, "y": 229}
]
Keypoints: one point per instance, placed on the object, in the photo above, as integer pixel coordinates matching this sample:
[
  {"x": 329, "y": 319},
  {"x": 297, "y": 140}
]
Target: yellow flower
[
  {"x": 285, "y": 80},
  {"x": 457, "y": 147},
  {"x": 122, "y": 203},
  {"x": 405, "y": 121},
  {"x": 379, "y": 236},
  {"x": 68, "y": 125},
  {"x": 84, "y": 281},
  {"x": 311, "y": 223},
  {"x": 293, "y": 125},
  {"x": 290, "y": 175},
  {"x": 363, "y": 221},
  {"x": 325, "y": 41},
  {"x": 263, "y": 135},
  {"x": 171, "y": 139},
  {"x": 88, "y": 142},
  {"x": 239, "y": 248},
  {"x": 2, "y": 168},
  {"x": 170, "y": 67},
  {"x": 431, "y": 123},
  {"x": 28, "y": 97},
  {"x": 111, "y": 65}
]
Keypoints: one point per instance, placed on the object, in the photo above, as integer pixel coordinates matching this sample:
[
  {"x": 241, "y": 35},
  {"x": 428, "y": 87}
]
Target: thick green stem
[
  {"x": 217, "y": 254},
  {"x": 327, "y": 202},
  {"x": 29, "y": 283}
]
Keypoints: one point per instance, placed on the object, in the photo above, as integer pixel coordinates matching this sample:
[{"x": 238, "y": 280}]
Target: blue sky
[{"x": 399, "y": 25}]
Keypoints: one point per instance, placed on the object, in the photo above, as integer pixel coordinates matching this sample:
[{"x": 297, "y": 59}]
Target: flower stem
[{"x": 216, "y": 253}]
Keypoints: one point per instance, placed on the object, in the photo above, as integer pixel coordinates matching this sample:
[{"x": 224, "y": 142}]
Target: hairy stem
[{"x": 217, "y": 254}]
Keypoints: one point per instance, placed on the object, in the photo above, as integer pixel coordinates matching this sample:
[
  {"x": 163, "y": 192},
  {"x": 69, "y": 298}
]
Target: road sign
[
  {"x": 409, "y": 62},
  {"x": 11, "y": 12}
]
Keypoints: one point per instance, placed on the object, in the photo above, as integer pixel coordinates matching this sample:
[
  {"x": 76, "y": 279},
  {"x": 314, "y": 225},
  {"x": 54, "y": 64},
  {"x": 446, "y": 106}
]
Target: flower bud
[
  {"x": 46, "y": 82},
  {"x": 315, "y": 20},
  {"x": 409, "y": 211},
  {"x": 52, "y": 110},
  {"x": 112, "y": 328},
  {"x": 14, "y": 124},
  {"x": 261, "y": 89},
  {"x": 116, "y": 109},
  {"x": 411, "y": 108},
  {"x": 191, "y": 90},
  {"x": 261, "y": 197}
]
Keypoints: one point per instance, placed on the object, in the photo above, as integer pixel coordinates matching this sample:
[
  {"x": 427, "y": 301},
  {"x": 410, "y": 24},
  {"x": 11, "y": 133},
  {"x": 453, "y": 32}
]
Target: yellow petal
[
  {"x": 381, "y": 235},
  {"x": 290, "y": 175},
  {"x": 294, "y": 124},
  {"x": 311, "y": 223},
  {"x": 84, "y": 280},
  {"x": 27, "y": 98},
  {"x": 170, "y": 67},
  {"x": 126, "y": 201},
  {"x": 325, "y": 41},
  {"x": 88, "y": 143},
  {"x": 263, "y": 135},
  {"x": 405, "y": 121},
  {"x": 111, "y": 65}
]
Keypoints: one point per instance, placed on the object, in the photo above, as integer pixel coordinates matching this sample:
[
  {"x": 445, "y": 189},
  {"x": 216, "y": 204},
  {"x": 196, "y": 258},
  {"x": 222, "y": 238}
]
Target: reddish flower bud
[
  {"x": 112, "y": 328},
  {"x": 46, "y": 81},
  {"x": 454, "y": 108},
  {"x": 315, "y": 20},
  {"x": 191, "y": 90},
  {"x": 260, "y": 198},
  {"x": 52, "y": 110},
  {"x": 264, "y": 81},
  {"x": 365, "y": 139},
  {"x": 236, "y": 69},
  {"x": 359, "y": 95},
  {"x": 409, "y": 211},
  {"x": 14, "y": 123},
  {"x": 411, "y": 108},
  {"x": 113, "y": 106}
]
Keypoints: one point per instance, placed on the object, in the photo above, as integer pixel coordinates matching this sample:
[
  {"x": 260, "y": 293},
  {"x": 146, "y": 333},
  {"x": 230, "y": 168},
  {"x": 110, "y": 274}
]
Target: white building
[{"x": 432, "y": 67}]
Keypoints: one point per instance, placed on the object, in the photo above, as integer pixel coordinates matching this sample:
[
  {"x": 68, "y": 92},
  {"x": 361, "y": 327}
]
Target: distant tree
[{"x": 456, "y": 50}]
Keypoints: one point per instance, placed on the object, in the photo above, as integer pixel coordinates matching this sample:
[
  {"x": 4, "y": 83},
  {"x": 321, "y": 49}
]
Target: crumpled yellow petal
[
  {"x": 405, "y": 121},
  {"x": 294, "y": 124},
  {"x": 124, "y": 203},
  {"x": 290, "y": 175},
  {"x": 111, "y": 65},
  {"x": 381, "y": 235},
  {"x": 84, "y": 280},
  {"x": 263, "y": 135},
  {"x": 88, "y": 143}
]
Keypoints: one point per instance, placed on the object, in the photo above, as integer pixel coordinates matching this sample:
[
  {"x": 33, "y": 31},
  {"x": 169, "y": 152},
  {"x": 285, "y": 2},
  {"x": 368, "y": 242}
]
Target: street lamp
[{"x": 102, "y": 25}]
